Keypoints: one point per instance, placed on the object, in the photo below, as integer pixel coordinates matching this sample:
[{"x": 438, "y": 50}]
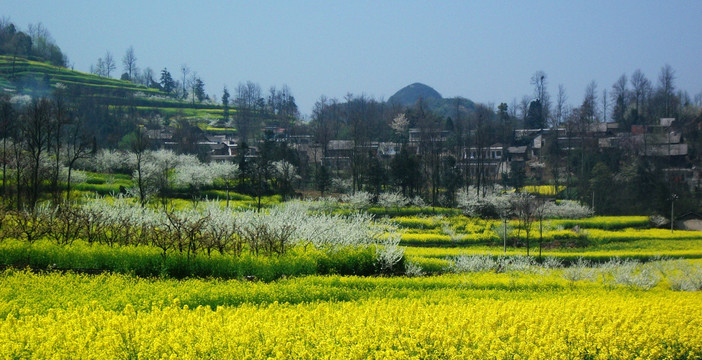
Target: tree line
[
  {"x": 434, "y": 141},
  {"x": 35, "y": 43},
  {"x": 617, "y": 180},
  {"x": 45, "y": 141}
]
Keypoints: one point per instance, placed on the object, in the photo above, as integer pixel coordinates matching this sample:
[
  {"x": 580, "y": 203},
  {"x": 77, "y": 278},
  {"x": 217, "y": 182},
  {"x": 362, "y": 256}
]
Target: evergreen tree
[
  {"x": 199, "y": 89},
  {"x": 225, "y": 105},
  {"x": 167, "y": 82}
]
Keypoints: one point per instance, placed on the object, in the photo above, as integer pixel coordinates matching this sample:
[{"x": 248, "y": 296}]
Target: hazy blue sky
[{"x": 483, "y": 50}]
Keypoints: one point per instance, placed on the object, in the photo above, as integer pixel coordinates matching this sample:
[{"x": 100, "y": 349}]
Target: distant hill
[
  {"x": 408, "y": 95},
  {"x": 444, "y": 107}
]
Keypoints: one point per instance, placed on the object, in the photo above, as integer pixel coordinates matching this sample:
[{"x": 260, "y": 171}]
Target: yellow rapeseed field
[
  {"x": 446, "y": 317},
  {"x": 601, "y": 326}
]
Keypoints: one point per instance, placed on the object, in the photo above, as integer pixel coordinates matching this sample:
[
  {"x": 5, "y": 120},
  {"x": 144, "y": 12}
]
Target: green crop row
[
  {"x": 604, "y": 222},
  {"x": 603, "y": 236},
  {"x": 147, "y": 261},
  {"x": 637, "y": 249}
]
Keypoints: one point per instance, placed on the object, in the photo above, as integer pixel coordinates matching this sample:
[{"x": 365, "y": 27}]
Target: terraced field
[
  {"x": 603, "y": 288},
  {"x": 39, "y": 78},
  {"x": 432, "y": 242}
]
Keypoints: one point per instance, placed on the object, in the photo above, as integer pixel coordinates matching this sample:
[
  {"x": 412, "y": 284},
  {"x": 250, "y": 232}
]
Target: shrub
[
  {"x": 633, "y": 274},
  {"x": 499, "y": 264},
  {"x": 413, "y": 269},
  {"x": 473, "y": 263},
  {"x": 490, "y": 204},
  {"x": 389, "y": 254},
  {"x": 566, "y": 209},
  {"x": 686, "y": 277},
  {"x": 30, "y": 225},
  {"x": 359, "y": 200},
  {"x": 418, "y": 201},
  {"x": 393, "y": 199},
  {"x": 580, "y": 270}
]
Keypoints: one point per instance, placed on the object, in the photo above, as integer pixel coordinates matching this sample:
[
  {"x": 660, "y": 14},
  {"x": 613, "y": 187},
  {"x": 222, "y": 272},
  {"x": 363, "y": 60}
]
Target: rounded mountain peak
[{"x": 409, "y": 94}]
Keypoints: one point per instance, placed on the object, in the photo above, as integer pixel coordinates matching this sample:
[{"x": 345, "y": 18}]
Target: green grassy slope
[{"x": 36, "y": 78}]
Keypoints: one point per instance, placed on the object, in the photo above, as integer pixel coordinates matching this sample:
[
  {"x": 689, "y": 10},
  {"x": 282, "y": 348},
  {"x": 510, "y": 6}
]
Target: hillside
[
  {"x": 22, "y": 76},
  {"x": 410, "y": 94},
  {"x": 443, "y": 107}
]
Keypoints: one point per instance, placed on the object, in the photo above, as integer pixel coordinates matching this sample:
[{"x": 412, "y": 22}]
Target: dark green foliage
[
  {"x": 601, "y": 187},
  {"x": 225, "y": 105},
  {"x": 535, "y": 116},
  {"x": 374, "y": 176},
  {"x": 450, "y": 180},
  {"x": 199, "y": 89},
  {"x": 167, "y": 82},
  {"x": 517, "y": 178},
  {"x": 322, "y": 179},
  {"x": 406, "y": 172}
]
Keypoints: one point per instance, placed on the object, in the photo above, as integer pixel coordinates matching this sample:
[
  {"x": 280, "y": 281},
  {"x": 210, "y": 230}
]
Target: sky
[{"x": 485, "y": 51}]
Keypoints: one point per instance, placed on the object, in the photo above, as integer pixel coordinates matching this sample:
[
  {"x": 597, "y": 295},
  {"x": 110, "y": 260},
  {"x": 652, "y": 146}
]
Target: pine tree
[{"x": 167, "y": 82}]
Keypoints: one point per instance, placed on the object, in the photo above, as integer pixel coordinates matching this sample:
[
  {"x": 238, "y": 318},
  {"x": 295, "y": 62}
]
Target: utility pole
[
  {"x": 670, "y": 186},
  {"x": 504, "y": 234}
]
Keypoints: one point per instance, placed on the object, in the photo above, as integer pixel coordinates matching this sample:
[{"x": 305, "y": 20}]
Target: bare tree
[
  {"x": 99, "y": 68},
  {"x": 40, "y": 35},
  {"x": 148, "y": 77},
  {"x": 138, "y": 145},
  {"x": 561, "y": 99},
  {"x": 540, "y": 213},
  {"x": 642, "y": 86},
  {"x": 698, "y": 99},
  {"x": 36, "y": 128},
  {"x": 666, "y": 86},
  {"x": 129, "y": 62},
  {"x": 249, "y": 102},
  {"x": 77, "y": 146},
  {"x": 540, "y": 81},
  {"x": 524, "y": 207},
  {"x": 512, "y": 111},
  {"x": 605, "y": 105},
  {"x": 185, "y": 70},
  {"x": 524, "y": 107},
  {"x": 193, "y": 83},
  {"x": 8, "y": 117},
  {"x": 620, "y": 97},
  {"x": 61, "y": 116},
  {"x": 44, "y": 46},
  {"x": 109, "y": 62},
  {"x": 588, "y": 110},
  {"x": 357, "y": 116},
  {"x": 322, "y": 123}
]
